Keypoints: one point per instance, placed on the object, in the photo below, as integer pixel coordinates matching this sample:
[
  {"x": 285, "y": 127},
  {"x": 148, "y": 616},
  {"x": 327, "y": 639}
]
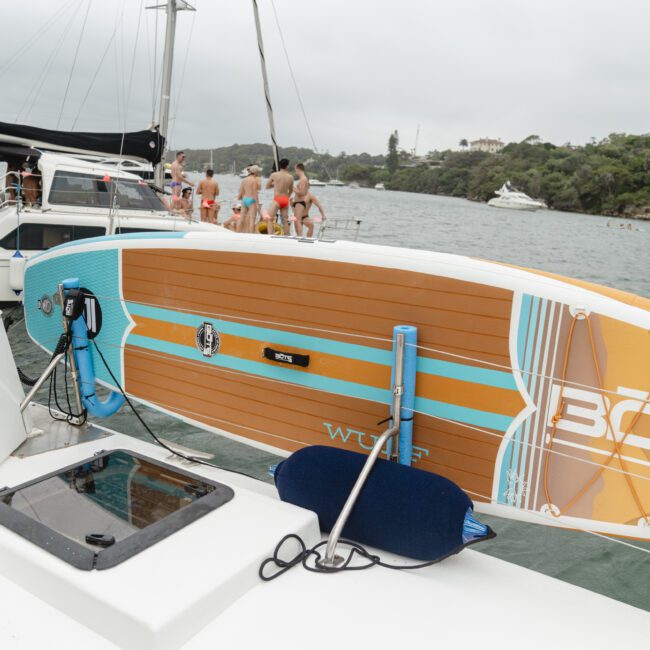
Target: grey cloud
[{"x": 566, "y": 70}]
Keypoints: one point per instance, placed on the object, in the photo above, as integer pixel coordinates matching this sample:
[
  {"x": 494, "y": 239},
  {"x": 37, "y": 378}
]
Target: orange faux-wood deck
[{"x": 452, "y": 316}]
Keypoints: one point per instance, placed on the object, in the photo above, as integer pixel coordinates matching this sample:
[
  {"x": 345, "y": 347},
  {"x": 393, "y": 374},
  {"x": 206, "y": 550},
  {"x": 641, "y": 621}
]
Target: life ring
[{"x": 262, "y": 228}]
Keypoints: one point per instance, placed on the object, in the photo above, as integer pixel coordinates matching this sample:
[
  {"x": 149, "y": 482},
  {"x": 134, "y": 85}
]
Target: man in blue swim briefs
[
  {"x": 249, "y": 196},
  {"x": 282, "y": 184},
  {"x": 178, "y": 175}
]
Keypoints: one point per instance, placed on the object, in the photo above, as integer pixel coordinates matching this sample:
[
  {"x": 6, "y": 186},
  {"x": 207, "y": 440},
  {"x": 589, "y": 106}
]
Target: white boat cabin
[{"x": 62, "y": 198}]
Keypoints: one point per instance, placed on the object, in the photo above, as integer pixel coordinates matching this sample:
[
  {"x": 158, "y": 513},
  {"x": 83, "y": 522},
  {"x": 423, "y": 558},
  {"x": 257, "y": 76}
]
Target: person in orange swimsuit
[
  {"x": 281, "y": 182},
  {"x": 208, "y": 190}
]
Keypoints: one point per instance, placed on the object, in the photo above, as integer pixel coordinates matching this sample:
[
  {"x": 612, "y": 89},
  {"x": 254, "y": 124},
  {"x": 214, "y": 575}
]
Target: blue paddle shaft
[
  {"x": 84, "y": 360},
  {"x": 408, "y": 397}
]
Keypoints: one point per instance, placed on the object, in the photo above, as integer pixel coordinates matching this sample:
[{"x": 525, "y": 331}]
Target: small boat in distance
[
  {"x": 354, "y": 186},
  {"x": 381, "y": 187},
  {"x": 511, "y": 198},
  {"x": 314, "y": 182},
  {"x": 335, "y": 182}
]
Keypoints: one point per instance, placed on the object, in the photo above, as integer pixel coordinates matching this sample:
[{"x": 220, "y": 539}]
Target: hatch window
[
  {"x": 72, "y": 188},
  {"x": 41, "y": 236},
  {"x": 98, "y": 513}
]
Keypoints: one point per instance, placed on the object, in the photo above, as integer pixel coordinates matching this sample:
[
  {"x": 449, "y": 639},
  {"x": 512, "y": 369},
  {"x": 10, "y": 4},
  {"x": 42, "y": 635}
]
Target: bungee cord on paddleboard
[{"x": 228, "y": 371}]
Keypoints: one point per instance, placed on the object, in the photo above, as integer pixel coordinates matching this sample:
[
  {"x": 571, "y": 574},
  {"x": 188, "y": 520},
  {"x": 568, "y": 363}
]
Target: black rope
[
  {"x": 24, "y": 379},
  {"x": 355, "y": 550},
  {"x": 390, "y": 417},
  {"x": 72, "y": 418},
  {"x": 146, "y": 427}
]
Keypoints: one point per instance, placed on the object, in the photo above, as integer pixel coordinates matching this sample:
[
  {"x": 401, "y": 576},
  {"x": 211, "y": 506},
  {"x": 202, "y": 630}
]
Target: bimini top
[{"x": 146, "y": 145}]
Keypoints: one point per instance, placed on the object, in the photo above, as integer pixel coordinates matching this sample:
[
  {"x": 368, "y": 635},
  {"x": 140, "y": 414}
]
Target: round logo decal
[
  {"x": 207, "y": 339},
  {"x": 45, "y": 305}
]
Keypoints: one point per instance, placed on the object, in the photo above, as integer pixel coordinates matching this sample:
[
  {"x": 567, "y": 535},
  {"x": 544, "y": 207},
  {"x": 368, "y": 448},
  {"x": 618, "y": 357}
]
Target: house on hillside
[{"x": 489, "y": 145}]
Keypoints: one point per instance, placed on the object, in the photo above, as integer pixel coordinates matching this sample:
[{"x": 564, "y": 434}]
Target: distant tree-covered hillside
[
  {"x": 238, "y": 156},
  {"x": 607, "y": 177}
]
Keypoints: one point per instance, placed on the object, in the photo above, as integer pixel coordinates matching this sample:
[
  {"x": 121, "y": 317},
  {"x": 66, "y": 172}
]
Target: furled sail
[{"x": 146, "y": 145}]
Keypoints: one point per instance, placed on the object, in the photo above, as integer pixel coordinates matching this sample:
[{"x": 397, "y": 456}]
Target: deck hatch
[{"x": 116, "y": 495}]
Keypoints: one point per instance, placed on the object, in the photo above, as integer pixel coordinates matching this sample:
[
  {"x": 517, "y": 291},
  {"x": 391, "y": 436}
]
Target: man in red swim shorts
[
  {"x": 208, "y": 190},
  {"x": 282, "y": 183}
]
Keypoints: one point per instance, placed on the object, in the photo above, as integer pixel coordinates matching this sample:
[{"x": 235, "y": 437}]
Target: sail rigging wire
[
  {"x": 570, "y": 526},
  {"x": 36, "y": 88},
  {"x": 95, "y": 75},
  {"x": 127, "y": 100},
  {"x": 182, "y": 79},
  {"x": 546, "y": 518},
  {"x": 74, "y": 63},
  {"x": 367, "y": 337},
  {"x": 529, "y": 445},
  {"x": 48, "y": 24},
  {"x": 298, "y": 95},
  {"x": 265, "y": 80}
]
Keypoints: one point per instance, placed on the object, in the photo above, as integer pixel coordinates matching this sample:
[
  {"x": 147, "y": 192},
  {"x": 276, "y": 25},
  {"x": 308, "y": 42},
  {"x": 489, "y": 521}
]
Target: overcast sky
[{"x": 566, "y": 70}]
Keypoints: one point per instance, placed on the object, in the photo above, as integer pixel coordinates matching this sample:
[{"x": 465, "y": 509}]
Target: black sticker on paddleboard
[
  {"x": 92, "y": 313},
  {"x": 207, "y": 339}
]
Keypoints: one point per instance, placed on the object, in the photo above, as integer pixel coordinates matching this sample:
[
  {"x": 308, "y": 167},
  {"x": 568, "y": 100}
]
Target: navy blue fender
[{"x": 401, "y": 509}]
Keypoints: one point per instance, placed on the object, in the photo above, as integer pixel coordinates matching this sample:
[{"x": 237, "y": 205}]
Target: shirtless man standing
[
  {"x": 299, "y": 198},
  {"x": 208, "y": 190},
  {"x": 282, "y": 182},
  {"x": 249, "y": 195},
  {"x": 178, "y": 175},
  {"x": 310, "y": 200}
]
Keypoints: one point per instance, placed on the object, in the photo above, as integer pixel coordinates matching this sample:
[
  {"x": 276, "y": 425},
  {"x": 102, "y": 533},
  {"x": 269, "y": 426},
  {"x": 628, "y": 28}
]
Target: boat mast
[
  {"x": 265, "y": 79},
  {"x": 172, "y": 7}
]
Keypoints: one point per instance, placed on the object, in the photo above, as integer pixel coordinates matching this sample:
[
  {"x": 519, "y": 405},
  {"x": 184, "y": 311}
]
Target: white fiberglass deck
[{"x": 199, "y": 587}]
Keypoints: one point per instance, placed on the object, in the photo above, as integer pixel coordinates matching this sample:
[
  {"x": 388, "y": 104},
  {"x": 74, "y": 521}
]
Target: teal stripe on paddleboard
[
  {"x": 463, "y": 414},
  {"x": 532, "y": 386},
  {"x": 288, "y": 375},
  {"x": 327, "y": 384},
  {"x": 528, "y": 363},
  {"x": 484, "y": 376},
  {"x": 349, "y": 350}
]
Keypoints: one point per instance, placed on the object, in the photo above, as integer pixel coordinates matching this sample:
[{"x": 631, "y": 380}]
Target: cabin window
[
  {"x": 126, "y": 231},
  {"x": 41, "y": 236},
  {"x": 72, "y": 188}
]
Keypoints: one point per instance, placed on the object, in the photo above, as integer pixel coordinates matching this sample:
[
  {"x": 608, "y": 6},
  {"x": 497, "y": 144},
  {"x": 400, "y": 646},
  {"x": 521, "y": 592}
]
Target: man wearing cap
[{"x": 249, "y": 195}]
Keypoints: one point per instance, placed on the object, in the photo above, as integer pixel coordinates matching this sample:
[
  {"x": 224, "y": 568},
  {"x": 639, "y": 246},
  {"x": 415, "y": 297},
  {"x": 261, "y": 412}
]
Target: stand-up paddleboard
[{"x": 531, "y": 389}]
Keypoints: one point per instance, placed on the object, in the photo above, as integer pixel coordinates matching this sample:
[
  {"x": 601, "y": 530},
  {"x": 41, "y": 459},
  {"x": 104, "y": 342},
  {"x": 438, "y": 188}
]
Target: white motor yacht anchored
[
  {"x": 78, "y": 199},
  {"x": 380, "y": 186},
  {"x": 513, "y": 199},
  {"x": 314, "y": 182}
]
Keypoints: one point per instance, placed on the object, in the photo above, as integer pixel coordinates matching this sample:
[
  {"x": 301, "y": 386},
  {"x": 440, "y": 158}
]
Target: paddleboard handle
[{"x": 74, "y": 304}]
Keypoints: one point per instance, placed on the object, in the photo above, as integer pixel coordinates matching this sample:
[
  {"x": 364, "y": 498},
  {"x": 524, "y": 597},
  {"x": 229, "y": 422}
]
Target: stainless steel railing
[{"x": 332, "y": 560}]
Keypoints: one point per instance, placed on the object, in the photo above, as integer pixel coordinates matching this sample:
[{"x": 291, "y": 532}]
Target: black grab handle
[{"x": 292, "y": 358}]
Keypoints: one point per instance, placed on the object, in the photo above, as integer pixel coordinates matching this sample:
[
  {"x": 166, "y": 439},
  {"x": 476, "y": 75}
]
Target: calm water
[{"x": 570, "y": 244}]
